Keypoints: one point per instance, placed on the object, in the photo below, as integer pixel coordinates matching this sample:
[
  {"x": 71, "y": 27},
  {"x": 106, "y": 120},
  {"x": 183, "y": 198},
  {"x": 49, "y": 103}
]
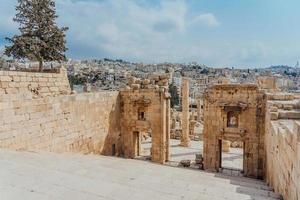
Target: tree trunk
[{"x": 40, "y": 65}]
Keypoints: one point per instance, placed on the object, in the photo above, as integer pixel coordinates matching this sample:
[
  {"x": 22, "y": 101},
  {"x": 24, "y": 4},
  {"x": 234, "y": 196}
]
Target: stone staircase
[{"x": 67, "y": 176}]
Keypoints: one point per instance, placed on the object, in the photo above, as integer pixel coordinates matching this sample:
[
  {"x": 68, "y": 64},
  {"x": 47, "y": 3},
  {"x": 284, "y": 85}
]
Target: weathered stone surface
[
  {"x": 274, "y": 115},
  {"x": 145, "y": 111},
  {"x": 292, "y": 114},
  {"x": 283, "y": 157},
  {"x": 281, "y": 96},
  {"x": 69, "y": 123},
  {"x": 235, "y": 113},
  {"x": 37, "y": 113},
  {"x": 267, "y": 83},
  {"x": 35, "y": 84},
  {"x": 49, "y": 176},
  {"x": 274, "y": 109},
  {"x": 225, "y": 145},
  {"x": 185, "y": 138}
]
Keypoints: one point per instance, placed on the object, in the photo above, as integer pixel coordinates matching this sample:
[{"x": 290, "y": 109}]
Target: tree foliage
[
  {"x": 40, "y": 38},
  {"x": 2, "y": 62}
]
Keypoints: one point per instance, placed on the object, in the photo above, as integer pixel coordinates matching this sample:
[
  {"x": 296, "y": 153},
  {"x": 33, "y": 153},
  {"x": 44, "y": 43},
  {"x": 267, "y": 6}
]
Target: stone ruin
[
  {"x": 235, "y": 113},
  {"x": 154, "y": 81},
  {"x": 145, "y": 108},
  {"x": 267, "y": 83},
  {"x": 38, "y": 112}
]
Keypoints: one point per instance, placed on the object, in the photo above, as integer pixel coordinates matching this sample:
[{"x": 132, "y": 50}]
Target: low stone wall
[
  {"x": 34, "y": 85},
  {"x": 283, "y": 157},
  {"x": 50, "y": 121}
]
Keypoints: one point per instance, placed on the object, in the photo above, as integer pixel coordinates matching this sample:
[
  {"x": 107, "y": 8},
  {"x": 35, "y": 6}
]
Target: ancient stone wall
[
  {"x": 235, "y": 113},
  {"x": 282, "y": 144},
  {"x": 34, "y": 85},
  {"x": 38, "y": 113},
  {"x": 85, "y": 122}
]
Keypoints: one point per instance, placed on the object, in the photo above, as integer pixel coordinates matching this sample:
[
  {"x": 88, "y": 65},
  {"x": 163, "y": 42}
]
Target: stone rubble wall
[
  {"x": 53, "y": 120},
  {"x": 34, "y": 85},
  {"x": 283, "y": 155}
]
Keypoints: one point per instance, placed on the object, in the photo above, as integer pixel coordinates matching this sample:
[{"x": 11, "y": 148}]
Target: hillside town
[{"x": 108, "y": 74}]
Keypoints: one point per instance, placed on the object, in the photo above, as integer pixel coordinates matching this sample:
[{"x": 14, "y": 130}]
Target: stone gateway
[{"x": 235, "y": 113}]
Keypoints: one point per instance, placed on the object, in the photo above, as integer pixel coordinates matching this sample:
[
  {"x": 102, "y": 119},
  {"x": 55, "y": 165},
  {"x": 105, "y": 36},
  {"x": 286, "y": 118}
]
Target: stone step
[
  {"x": 280, "y": 96},
  {"x": 258, "y": 186},
  {"x": 255, "y": 186},
  {"x": 289, "y": 114}
]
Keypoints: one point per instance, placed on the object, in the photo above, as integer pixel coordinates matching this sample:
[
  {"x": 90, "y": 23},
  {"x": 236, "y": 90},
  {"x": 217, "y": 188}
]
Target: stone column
[
  {"x": 185, "y": 139},
  {"x": 198, "y": 109},
  {"x": 168, "y": 130}
]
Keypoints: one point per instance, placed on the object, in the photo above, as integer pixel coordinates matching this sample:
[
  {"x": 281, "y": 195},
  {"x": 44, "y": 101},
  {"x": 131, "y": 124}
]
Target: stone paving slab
[
  {"x": 231, "y": 159},
  {"x": 29, "y": 175}
]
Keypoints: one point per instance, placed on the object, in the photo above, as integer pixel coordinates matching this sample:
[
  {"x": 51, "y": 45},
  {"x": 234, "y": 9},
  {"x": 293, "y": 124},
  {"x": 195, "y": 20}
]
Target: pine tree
[{"x": 40, "y": 39}]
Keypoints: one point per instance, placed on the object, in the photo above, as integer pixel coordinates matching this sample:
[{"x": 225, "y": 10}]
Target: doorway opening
[
  {"x": 231, "y": 157},
  {"x": 142, "y": 145},
  {"x": 193, "y": 153}
]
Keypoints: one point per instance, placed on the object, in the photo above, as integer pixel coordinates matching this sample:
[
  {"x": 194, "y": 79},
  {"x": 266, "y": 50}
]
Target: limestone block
[
  {"x": 16, "y": 79},
  {"x": 154, "y": 77},
  {"x": 23, "y": 78},
  {"x": 4, "y": 85},
  {"x": 135, "y": 86},
  {"x": 274, "y": 109},
  {"x": 287, "y": 107},
  {"x": 225, "y": 145},
  {"x": 274, "y": 115},
  {"x": 2, "y": 91},
  {"x": 54, "y": 89},
  {"x": 164, "y": 77},
  {"x": 11, "y": 90},
  {"x": 294, "y": 114},
  {"x": 163, "y": 82},
  {"x": 146, "y": 82},
  {"x": 5, "y": 79},
  {"x": 138, "y": 81}
]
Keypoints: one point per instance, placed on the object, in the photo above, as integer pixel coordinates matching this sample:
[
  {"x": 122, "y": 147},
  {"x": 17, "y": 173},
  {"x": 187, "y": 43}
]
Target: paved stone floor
[
  {"x": 232, "y": 159},
  {"x": 45, "y": 176}
]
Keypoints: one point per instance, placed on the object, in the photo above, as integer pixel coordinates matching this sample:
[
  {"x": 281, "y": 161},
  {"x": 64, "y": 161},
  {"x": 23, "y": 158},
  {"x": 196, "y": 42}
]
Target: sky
[{"x": 218, "y": 33}]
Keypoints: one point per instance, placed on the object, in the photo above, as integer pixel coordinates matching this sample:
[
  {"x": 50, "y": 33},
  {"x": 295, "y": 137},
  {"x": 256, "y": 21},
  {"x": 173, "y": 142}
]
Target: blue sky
[{"x": 219, "y": 33}]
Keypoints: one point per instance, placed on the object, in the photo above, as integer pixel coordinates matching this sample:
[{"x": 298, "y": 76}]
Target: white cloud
[
  {"x": 207, "y": 19},
  {"x": 124, "y": 28},
  {"x": 141, "y": 31}
]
